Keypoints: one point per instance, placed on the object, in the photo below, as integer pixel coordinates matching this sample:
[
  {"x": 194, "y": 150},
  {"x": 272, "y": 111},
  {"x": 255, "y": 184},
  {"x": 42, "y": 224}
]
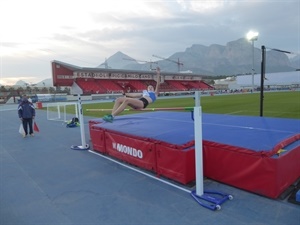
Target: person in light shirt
[{"x": 135, "y": 100}]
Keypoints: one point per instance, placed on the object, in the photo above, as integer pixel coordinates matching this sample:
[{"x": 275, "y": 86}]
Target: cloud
[
  {"x": 14, "y": 80},
  {"x": 86, "y": 32}
]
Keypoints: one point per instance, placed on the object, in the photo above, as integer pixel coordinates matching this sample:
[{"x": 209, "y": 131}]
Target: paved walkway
[{"x": 43, "y": 181}]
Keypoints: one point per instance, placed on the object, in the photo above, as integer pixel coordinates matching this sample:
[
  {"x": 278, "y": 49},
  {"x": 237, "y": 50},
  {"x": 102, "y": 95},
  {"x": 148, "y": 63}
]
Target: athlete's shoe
[{"x": 108, "y": 118}]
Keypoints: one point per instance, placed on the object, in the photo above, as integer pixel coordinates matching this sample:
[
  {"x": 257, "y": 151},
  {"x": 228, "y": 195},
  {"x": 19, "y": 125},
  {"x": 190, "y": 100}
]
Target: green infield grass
[{"x": 275, "y": 104}]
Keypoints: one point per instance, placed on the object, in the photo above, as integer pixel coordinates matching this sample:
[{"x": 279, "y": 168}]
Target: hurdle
[{"x": 146, "y": 109}]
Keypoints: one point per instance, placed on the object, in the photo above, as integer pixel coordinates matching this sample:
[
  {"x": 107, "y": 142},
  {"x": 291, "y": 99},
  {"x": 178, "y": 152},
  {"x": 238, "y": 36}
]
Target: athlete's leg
[
  {"x": 132, "y": 102},
  {"x": 118, "y": 102}
]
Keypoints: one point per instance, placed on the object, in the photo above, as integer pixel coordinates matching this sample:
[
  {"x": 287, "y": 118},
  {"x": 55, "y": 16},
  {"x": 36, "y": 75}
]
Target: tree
[
  {"x": 51, "y": 90},
  {"x": 3, "y": 89}
]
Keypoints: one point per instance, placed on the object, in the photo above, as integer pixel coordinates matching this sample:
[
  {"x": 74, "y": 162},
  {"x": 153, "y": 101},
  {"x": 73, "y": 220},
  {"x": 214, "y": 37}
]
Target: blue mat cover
[{"x": 253, "y": 133}]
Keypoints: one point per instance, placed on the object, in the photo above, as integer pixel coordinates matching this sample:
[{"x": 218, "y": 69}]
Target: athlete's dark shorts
[{"x": 145, "y": 101}]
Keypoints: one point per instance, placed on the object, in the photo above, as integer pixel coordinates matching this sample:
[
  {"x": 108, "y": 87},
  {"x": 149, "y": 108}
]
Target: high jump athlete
[{"x": 135, "y": 100}]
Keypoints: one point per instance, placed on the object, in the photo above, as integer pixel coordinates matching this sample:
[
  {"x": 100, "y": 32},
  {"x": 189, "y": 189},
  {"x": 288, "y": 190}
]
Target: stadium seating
[
  {"x": 89, "y": 86},
  {"x": 94, "y": 86},
  {"x": 110, "y": 86}
]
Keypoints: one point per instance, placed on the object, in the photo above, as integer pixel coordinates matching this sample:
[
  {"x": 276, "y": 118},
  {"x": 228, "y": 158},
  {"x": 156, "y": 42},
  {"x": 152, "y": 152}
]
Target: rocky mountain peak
[{"x": 233, "y": 58}]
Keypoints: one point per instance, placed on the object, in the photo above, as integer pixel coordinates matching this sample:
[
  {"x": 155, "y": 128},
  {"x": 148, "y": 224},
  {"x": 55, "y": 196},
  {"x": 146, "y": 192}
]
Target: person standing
[{"x": 26, "y": 112}]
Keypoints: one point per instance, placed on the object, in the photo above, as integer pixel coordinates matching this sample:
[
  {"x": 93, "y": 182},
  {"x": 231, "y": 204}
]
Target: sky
[{"x": 84, "y": 33}]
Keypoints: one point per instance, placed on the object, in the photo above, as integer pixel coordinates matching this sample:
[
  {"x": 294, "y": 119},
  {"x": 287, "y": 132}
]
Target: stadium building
[
  {"x": 111, "y": 81},
  {"x": 272, "y": 81}
]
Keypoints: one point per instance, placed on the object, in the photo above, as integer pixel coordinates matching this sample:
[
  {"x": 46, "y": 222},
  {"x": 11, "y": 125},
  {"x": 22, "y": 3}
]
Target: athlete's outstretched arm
[{"x": 157, "y": 80}]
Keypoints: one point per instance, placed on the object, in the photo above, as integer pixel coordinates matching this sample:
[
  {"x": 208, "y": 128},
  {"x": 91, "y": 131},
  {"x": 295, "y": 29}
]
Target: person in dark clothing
[{"x": 26, "y": 112}]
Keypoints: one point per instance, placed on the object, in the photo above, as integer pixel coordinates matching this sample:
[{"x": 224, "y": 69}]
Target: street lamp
[{"x": 252, "y": 36}]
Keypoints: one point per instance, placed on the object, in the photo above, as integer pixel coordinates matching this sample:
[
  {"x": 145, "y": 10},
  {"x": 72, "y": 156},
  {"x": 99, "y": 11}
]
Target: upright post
[
  {"x": 209, "y": 199},
  {"x": 76, "y": 111},
  {"x": 58, "y": 110},
  {"x": 198, "y": 144},
  {"x": 83, "y": 146}
]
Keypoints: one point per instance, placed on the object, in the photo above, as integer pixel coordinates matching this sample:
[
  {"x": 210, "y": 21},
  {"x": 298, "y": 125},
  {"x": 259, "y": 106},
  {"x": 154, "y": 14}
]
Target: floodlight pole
[
  {"x": 252, "y": 36},
  {"x": 262, "y": 78},
  {"x": 252, "y": 65}
]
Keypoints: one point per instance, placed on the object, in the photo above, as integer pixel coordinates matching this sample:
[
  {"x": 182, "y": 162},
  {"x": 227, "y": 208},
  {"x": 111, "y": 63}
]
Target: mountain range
[
  {"x": 44, "y": 83},
  {"x": 236, "y": 57}
]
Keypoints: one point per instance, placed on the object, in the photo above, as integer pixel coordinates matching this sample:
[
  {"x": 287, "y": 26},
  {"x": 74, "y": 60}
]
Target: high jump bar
[{"x": 146, "y": 109}]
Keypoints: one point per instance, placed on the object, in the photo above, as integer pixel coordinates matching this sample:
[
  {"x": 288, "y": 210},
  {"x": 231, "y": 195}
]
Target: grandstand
[{"x": 110, "y": 81}]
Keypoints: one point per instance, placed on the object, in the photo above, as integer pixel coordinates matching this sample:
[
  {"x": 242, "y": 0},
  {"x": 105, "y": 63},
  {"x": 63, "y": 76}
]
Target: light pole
[{"x": 252, "y": 36}]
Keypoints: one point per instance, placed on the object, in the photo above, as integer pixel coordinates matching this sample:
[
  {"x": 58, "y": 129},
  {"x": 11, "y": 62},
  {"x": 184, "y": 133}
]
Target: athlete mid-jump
[{"x": 135, "y": 100}]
